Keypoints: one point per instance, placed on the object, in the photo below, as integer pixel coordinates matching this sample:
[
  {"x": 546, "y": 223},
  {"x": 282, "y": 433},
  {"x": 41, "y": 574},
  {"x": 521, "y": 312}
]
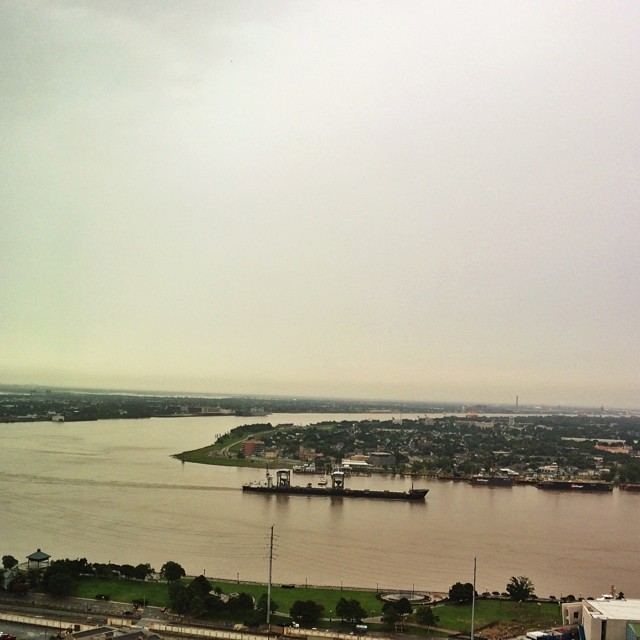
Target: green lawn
[
  {"x": 212, "y": 454},
  {"x": 155, "y": 593},
  {"x": 285, "y": 598},
  {"x": 530, "y": 614}
]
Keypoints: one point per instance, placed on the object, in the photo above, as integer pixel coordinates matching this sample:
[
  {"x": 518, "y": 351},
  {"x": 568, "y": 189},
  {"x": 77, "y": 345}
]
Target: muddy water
[{"x": 109, "y": 491}]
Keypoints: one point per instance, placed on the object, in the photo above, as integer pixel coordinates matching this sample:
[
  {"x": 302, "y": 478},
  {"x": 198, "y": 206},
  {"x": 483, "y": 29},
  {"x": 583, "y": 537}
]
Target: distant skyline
[{"x": 433, "y": 201}]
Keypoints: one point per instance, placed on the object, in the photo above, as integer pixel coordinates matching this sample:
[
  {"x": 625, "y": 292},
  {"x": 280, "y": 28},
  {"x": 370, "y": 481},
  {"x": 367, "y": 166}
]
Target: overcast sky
[{"x": 433, "y": 200}]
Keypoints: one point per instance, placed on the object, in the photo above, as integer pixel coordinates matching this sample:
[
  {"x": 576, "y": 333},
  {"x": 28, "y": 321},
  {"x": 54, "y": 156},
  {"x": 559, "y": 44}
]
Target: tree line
[{"x": 199, "y": 598}]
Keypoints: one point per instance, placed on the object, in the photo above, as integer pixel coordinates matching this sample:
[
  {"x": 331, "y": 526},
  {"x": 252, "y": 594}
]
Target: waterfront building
[
  {"x": 381, "y": 459},
  {"x": 604, "y": 619},
  {"x": 349, "y": 464},
  {"x": 253, "y": 447}
]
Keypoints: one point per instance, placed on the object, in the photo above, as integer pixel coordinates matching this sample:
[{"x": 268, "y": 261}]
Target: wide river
[{"x": 109, "y": 491}]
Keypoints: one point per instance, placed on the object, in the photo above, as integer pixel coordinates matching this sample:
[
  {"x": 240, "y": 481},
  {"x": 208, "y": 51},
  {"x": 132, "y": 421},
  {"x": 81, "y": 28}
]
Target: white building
[{"x": 604, "y": 618}]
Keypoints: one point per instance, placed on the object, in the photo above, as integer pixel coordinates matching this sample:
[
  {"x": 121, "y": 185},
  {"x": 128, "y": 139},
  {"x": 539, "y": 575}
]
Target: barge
[
  {"x": 576, "y": 485},
  {"x": 491, "y": 481},
  {"x": 283, "y": 486}
]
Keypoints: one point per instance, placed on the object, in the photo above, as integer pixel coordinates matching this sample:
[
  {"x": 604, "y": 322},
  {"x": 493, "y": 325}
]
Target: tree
[
  {"x": 19, "y": 585},
  {"x": 59, "y": 578},
  {"x": 172, "y": 571},
  {"x": 342, "y": 609},
  {"x": 426, "y": 617},
  {"x": 8, "y": 562},
  {"x": 390, "y": 614},
  {"x": 102, "y": 570},
  {"x": 201, "y": 586},
  {"x": 461, "y": 592},
  {"x": 60, "y": 585},
  {"x": 197, "y": 606},
  {"x": 350, "y": 610},
  {"x": 195, "y": 598},
  {"x": 33, "y": 578},
  {"x": 306, "y": 611},
  {"x": 127, "y": 571},
  {"x": 261, "y": 606},
  {"x": 520, "y": 588},
  {"x": 143, "y": 571},
  {"x": 178, "y": 597},
  {"x": 242, "y": 602},
  {"x": 403, "y": 607}
]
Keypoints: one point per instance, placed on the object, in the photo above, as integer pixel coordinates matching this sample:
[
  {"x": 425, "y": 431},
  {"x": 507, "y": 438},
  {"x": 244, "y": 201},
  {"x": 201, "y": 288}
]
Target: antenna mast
[
  {"x": 473, "y": 600},
  {"x": 269, "y": 583}
]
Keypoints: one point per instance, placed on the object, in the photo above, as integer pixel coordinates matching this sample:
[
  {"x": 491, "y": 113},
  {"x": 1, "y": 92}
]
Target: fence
[{"x": 42, "y": 622}]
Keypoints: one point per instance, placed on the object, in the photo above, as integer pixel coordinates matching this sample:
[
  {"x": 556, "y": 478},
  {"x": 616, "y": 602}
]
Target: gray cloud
[{"x": 421, "y": 200}]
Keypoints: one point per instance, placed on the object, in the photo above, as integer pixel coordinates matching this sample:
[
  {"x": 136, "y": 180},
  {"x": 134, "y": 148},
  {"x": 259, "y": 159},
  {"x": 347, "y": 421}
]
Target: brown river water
[{"x": 109, "y": 491}]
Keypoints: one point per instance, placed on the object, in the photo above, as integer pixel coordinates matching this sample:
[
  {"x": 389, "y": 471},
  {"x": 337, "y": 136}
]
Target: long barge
[
  {"x": 576, "y": 485},
  {"x": 337, "y": 489},
  {"x": 490, "y": 481}
]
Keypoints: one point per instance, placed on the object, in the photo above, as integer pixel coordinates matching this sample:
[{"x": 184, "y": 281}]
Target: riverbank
[{"x": 489, "y": 611}]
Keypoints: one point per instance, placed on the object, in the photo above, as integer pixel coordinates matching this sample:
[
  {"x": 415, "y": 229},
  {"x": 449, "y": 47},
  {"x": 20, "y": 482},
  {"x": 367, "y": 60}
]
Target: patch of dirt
[{"x": 502, "y": 631}]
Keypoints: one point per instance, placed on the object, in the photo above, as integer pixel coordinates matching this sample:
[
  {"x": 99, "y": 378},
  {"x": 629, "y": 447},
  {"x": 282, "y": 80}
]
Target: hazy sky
[{"x": 431, "y": 200}]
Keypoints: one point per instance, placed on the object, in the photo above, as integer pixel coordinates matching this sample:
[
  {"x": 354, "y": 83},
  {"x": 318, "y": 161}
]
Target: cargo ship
[
  {"x": 576, "y": 485},
  {"x": 283, "y": 486}
]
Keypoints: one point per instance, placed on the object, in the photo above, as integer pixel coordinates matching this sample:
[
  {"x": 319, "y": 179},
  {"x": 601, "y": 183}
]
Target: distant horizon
[{"x": 169, "y": 393}]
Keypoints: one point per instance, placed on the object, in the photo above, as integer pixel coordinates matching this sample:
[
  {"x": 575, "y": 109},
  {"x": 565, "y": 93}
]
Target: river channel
[{"x": 110, "y": 491}]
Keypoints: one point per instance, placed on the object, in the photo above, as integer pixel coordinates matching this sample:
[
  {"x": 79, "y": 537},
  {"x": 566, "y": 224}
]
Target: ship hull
[
  {"x": 491, "y": 481},
  {"x": 414, "y": 495},
  {"x": 575, "y": 485}
]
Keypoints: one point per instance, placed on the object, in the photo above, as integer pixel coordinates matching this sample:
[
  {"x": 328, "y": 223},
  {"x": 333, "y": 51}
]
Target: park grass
[
  {"x": 213, "y": 454},
  {"x": 454, "y": 617},
  {"x": 156, "y": 593},
  {"x": 153, "y": 593},
  {"x": 285, "y": 598},
  {"x": 530, "y": 614}
]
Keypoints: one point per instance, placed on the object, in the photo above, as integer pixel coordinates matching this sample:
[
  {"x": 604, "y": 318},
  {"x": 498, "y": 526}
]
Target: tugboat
[{"x": 283, "y": 486}]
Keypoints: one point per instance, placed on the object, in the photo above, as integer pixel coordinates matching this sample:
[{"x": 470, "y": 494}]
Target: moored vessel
[
  {"x": 491, "y": 481},
  {"x": 576, "y": 485},
  {"x": 283, "y": 486}
]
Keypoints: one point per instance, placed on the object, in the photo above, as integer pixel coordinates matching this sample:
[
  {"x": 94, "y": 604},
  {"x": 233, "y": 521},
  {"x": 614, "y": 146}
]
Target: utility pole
[
  {"x": 473, "y": 600},
  {"x": 269, "y": 583}
]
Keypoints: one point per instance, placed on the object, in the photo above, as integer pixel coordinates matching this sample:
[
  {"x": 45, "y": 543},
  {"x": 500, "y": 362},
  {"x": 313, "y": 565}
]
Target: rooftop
[{"x": 616, "y": 609}]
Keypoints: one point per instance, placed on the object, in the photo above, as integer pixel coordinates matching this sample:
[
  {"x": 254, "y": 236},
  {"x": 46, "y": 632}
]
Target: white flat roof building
[
  {"x": 602, "y": 619},
  {"x": 354, "y": 464}
]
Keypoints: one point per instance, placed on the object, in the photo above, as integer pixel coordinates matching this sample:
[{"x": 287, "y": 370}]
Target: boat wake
[{"x": 35, "y": 479}]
